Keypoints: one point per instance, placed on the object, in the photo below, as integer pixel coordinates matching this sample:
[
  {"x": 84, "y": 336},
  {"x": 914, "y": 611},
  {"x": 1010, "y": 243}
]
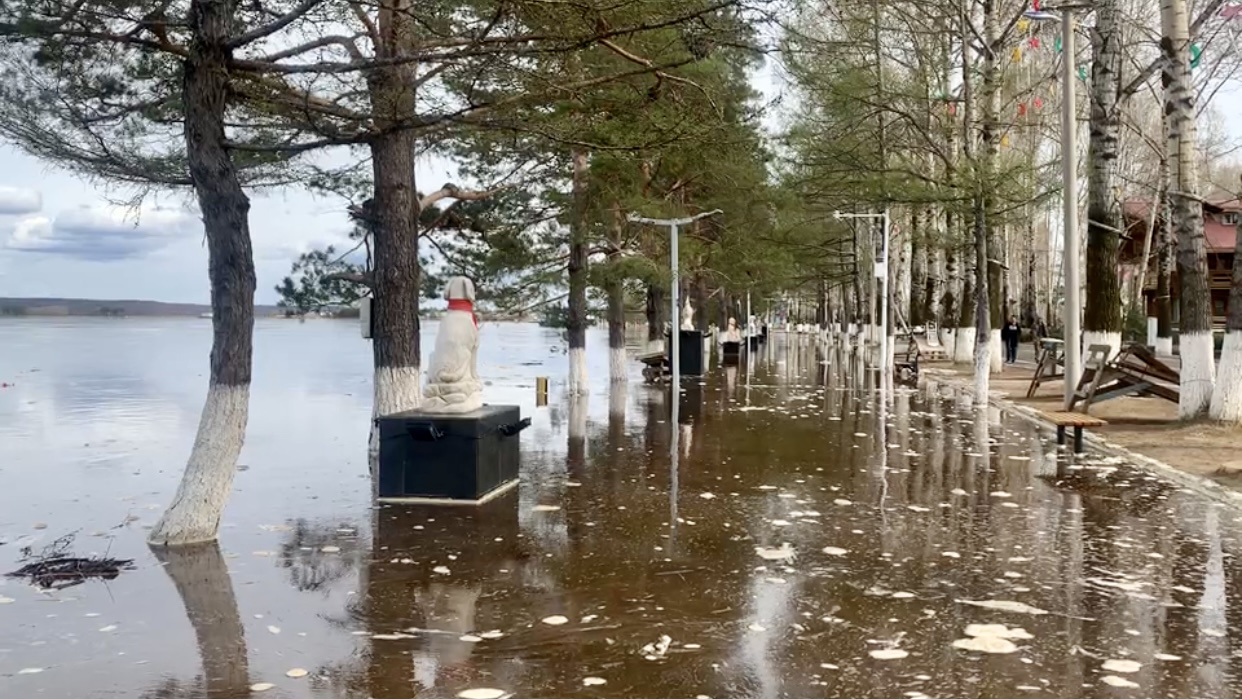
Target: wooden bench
[{"x": 1078, "y": 421}]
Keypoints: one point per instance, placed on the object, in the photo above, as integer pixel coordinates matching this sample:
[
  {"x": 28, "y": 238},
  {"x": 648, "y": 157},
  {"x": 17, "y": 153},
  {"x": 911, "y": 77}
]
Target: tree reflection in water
[
  {"x": 202, "y": 581},
  {"x": 302, "y": 555}
]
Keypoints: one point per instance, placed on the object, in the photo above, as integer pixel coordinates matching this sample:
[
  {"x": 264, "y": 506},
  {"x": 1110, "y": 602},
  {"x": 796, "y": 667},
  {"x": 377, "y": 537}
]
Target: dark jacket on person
[{"x": 1011, "y": 334}]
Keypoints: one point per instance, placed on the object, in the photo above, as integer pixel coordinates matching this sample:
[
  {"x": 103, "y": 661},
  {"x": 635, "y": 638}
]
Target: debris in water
[
  {"x": 1000, "y": 494},
  {"x": 593, "y": 681},
  {"x": 1166, "y": 656},
  {"x": 442, "y": 570},
  {"x": 1115, "y": 681},
  {"x": 655, "y": 651},
  {"x": 757, "y": 628},
  {"x": 107, "y": 629},
  {"x": 1123, "y": 666},
  {"x": 706, "y": 496},
  {"x": 999, "y": 630},
  {"x": 555, "y": 620},
  {"x": 469, "y": 638},
  {"x": 296, "y": 672},
  {"x": 273, "y": 629},
  {"x": 784, "y": 552},
  {"x": 546, "y": 508},
  {"x": 986, "y": 644},
  {"x": 7, "y": 600},
  {"x": 331, "y": 549},
  {"x": 261, "y": 686},
  {"x": 1004, "y": 606},
  {"x": 889, "y": 654},
  {"x": 491, "y": 634},
  {"x": 842, "y": 502},
  {"x": 55, "y": 569},
  {"x": 482, "y": 693},
  {"x": 959, "y": 491}
]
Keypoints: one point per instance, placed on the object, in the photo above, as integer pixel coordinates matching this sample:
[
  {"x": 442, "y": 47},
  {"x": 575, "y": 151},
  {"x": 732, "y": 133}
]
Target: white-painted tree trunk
[
  {"x": 617, "y": 366},
  {"x": 395, "y": 390},
  {"x": 578, "y": 384},
  {"x": 1152, "y": 329},
  {"x": 194, "y": 515},
  {"x": 996, "y": 351},
  {"x": 1198, "y": 373},
  {"x": 964, "y": 345},
  {"x": 983, "y": 350},
  {"x": 1226, "y": 403},
  {"x": 1095, "y": 337},
  {"x": 1164, "y": 347}
]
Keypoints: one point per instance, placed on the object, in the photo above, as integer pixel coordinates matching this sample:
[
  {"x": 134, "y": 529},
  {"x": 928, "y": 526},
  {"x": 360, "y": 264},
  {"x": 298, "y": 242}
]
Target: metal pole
[
  {"x": 884, "y": 366},
  {"x": 674, "y": 356},
  {"x": 1069, "y": 173}
]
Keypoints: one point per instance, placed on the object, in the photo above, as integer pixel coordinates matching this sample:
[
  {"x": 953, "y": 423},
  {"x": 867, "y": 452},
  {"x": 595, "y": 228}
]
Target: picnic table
[{"x": 1134, "y": 371}]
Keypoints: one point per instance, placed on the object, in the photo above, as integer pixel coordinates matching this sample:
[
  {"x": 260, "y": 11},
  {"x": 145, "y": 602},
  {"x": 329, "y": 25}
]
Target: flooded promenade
[{"x": 787, "y": 531}]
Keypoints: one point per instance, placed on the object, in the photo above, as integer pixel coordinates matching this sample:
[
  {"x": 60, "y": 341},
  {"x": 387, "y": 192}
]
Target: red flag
[
  {"x": 1038, "y": 103},
  {"x": 1035, "y": 5},
  {"x": 1022, "y": 109},
  {"x": 1034, "y": 42}
]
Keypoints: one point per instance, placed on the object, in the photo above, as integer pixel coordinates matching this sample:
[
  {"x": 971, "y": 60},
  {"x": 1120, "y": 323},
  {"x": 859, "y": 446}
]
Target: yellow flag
[
  {"x": 1017, "y": 54},
  {"x": 1005, "y": 140},
  {"x": 1023, "y": 24}
]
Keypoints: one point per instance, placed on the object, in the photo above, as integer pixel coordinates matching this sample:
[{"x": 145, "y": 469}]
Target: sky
[{"x": 63, "y": 236}]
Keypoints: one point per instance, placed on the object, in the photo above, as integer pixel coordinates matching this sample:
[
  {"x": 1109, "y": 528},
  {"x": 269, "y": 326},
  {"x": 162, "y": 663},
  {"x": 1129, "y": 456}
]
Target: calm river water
[{"x": 795, "y": 535}]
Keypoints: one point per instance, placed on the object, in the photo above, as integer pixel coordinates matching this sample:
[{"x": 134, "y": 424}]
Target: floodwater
[{"x": 789, "y": 533}]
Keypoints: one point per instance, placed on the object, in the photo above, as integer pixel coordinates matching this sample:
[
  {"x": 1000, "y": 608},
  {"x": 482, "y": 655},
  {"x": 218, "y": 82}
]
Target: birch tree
[
  {"x": 1226, "y": 404},
  {"x": 1195, "y": 324},
  {"x": 1102, "y": 314}
]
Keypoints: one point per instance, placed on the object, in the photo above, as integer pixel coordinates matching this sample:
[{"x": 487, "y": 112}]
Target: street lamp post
[
  {"x": 674, "y": 332},
  {"x": 881, "y": 273},
  {"x": 1069, "y": 178}
]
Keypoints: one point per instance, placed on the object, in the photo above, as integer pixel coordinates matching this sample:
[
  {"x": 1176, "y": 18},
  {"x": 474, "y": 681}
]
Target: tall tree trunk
[
  {"x": 1164, "y": 268},
  {"x": 1101, "y": 321},
  {"x": 918, "y": 266},
  {"x": 952, "y": 283},
  {"x": 1227, "y": 398},
  {"x": 615, "y": 289},
  {"x": 1195, "y": 317},
  {"x": 577, "y": 269},
  {"x": 194, "y": 515},
  {"x": 988, "y": 253},
  {"x": 395, "y": 333}
]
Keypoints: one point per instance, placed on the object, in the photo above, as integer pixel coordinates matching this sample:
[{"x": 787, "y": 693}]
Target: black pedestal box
[
  {"x": 463, "y": 458},
  {"x": 691, "y": 352}
]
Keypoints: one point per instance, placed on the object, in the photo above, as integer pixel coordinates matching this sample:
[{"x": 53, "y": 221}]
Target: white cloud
[
  {"x": 102, "y": 232},
  {"x": 18, "y": 200}
]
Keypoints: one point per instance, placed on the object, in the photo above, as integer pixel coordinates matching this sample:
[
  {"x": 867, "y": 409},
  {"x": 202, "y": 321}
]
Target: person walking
[{"x": 1011, "y": 334}]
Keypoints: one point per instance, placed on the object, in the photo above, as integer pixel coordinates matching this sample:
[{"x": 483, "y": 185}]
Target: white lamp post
[
  {"x": 675, "y": 331},
  {"x": 1069, "y": 178},
  {"x": 881, "y": 273}
]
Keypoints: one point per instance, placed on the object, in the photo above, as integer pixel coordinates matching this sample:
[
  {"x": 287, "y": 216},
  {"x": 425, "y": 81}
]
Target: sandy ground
[{"x": 1148, "y": 426}]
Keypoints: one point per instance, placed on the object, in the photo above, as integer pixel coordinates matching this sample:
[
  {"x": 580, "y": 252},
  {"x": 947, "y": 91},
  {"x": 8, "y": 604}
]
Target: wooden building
[{"x": 1220, "y": 221}]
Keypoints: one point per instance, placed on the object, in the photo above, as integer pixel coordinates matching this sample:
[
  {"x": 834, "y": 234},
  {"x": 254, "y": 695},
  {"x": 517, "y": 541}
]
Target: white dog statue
[
  {"x": 687, "y": 316},
  {"x": 453, "y": 384}
]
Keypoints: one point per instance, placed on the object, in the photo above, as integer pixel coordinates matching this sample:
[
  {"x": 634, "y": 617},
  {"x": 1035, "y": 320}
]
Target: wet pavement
[{"x": 789, "y": 532}]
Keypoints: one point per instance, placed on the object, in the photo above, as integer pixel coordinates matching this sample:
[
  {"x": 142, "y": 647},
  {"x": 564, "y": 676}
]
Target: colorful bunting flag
[
  {"x": 1022, "y": 109},
  {"x": 1196, "y": 52},
  {"x": 1024, "y": 23},
  {"x": 1017, "y": 54},
  {"x": 1057, "y": 44},
  {"x": 1231, "y": 12},
  {"x": 1034, "y": 42},
  {"x": 1037, "y": 103}
]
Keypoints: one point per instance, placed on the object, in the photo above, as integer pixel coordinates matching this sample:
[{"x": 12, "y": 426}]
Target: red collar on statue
[{"x": 464, "y": 305}]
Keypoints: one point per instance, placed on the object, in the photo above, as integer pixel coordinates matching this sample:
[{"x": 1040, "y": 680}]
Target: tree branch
[{"x": 364, "y": 279}]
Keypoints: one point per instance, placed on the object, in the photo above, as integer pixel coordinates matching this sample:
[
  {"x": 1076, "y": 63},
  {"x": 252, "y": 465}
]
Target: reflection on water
[{"x": 892, "y": 512}]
